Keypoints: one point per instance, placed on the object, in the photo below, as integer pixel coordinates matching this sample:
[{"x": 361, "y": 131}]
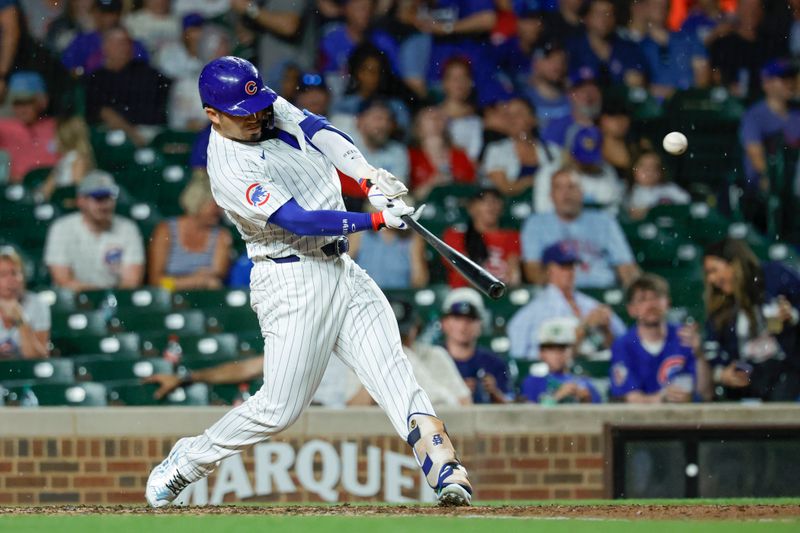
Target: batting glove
[
  {"x": 379, "y": 200},
  {"x": 389, "y": 185},
  {"x": 390, "y": 217}
]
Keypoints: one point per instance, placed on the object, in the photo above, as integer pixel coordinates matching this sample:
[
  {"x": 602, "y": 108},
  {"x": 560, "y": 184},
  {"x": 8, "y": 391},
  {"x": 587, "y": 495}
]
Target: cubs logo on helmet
[
  {"x": 257, "y": 195},
  {"x": 671, "y": 366},
  {"x": 251, "y": 87}
]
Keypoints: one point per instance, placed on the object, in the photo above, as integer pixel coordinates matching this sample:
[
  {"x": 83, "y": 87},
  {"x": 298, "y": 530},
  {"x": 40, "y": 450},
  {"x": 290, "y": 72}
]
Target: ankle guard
[{"x": 435, "y": 453}]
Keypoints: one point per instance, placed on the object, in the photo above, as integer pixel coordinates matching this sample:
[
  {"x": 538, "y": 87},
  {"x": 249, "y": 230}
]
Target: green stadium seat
[
  {"x": 135, "y": 393},
  {"x": 229, "y": 394},
  {"x": 69, "y": 323},
  {"x": 175, "y": 147},
  {"x": 118, "y": 345},
  {"x": 58, "y": 394},
  {"x": 251, "y": 344},
  {"x": 112, "y": 149},
  {"x": 33, "y": 232},
  {"x": 41, "y": 370},
  {"x": 220, "y": 345},
  {"x": 64, "y": 198},
  {"x": 231, "y": 320},
  {"x": 103, "y": 368},
  {"x": 59, "y": 299},
  {"x": 178, "y": 322},
  {"x": 211, "y": 299},
  {"x": 595, "y": 369},
  {"x": 36, "y": 177},
  {"x": 143, "y": 299}
]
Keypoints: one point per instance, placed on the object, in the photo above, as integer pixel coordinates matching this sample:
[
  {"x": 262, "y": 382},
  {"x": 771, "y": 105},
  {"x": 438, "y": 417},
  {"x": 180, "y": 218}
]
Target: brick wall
[{"x": 41, "y": 470}]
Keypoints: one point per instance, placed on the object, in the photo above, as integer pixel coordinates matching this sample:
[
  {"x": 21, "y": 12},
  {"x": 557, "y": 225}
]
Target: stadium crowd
[{"x": 501, "y": 103}]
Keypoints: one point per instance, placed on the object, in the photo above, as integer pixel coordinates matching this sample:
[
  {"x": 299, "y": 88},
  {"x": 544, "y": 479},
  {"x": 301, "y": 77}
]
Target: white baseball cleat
[
  {"x": 455, "y": 489},
  {"x": 165, "y": 483}
]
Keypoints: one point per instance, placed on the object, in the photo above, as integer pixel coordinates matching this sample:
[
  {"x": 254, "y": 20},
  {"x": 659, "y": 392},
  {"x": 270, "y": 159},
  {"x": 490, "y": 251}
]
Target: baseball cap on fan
[
  {"x": 587, "y": 146},
  {"x": 108, "y": 6},
  {"x": 560, "y": 253},
  {"x": 464, "y": 302},
  {"x": 98, "y": 184},
  {"x": 558, "y": 331},
  {"x": 779, "y": 68},
  {"x": 25, "y": 85}
]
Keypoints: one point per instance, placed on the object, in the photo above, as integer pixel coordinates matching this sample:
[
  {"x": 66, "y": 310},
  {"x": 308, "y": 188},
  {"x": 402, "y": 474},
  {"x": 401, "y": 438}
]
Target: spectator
[
  {"x": 767, "y": 120},
  {"x": 207, "y": 8},
  {"x": 85, "y": 53},
  {"x": 28, "y": 137},
  {"x": 201, "y": 43},
  {"x": 341, "y": 38},
  {"x": 513, "y": 52},
  {"x": 545, "y": 89},
  {"x": 24, "y": 317},
  {"x": 563, "y": 23},
  {"x": 597, "y": 325},
  {"x": 707, "y": 21},
  {"x": 601, "y": 50},
  {"x": 615, "y": 126},
  {"x": 513, "y": 164},
  {"x": 313, "y": 94},
  {"x": 374, "y": 126},
  {"x": 9, "y": 41},
  {"x": 126, "y": 94},
  {"x": 494, "y": 115},
  {"x": 154, "y": 25},
  {"x": 371, "y": 78},
  {"x": 657, "y": 361},
  {"x": 495, "y": 249},
  {"x": 586, "y": 103},
  {"x": 75, "y": 19},
  {"x": 484, "y": 372},
  {"x": 463, "y": 124},
  {"x": 76, "y": 156},
  {"x": 594, "y": 235},
  {"x": 551, "y": 382},
  {"x": 435, "y": 370},
  {"x": 282, "y": 32},
  {"x": 191, "y": 251},
  {"x": 433, "y": 158},
  {"x": 94, "y": 248},
  {"x": 39, "y": 15},
  {"x": 675, "y": 60},
  {"x": 794, "y": 29},
  {"x": 650, "y": 188},
  {"x": 600, "y": 185},
  {"x": 459, "y": 28},
  {"x": 737, "y": 57},
  {"x": 638, "y": 22},
  {"x": 752, "y": 323},
  {"x": 394, "y": 259}
]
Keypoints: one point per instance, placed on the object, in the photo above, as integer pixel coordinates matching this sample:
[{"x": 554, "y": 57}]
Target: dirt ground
[{"x": 617, "y": 511}]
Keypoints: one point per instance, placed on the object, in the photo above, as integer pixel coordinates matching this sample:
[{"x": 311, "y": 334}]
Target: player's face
[
  {"x": 719, "y": 274},
  {"x": 11, "y": 280},
  {"x": 557, "y": 357},
  {"x": 648, "y": 308},
  {"x": 247, "y": 128}
]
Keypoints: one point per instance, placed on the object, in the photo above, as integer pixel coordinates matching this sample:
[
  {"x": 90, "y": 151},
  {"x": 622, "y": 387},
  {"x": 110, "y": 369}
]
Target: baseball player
[{"x": 273, "y": 169}]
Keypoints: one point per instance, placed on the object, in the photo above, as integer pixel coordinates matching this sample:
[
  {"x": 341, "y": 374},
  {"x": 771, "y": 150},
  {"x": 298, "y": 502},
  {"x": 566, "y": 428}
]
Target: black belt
[{"x": 338, "y": 247}]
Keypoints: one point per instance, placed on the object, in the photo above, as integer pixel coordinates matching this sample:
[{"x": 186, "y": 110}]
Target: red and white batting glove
[{"x": 390, "y": 217}]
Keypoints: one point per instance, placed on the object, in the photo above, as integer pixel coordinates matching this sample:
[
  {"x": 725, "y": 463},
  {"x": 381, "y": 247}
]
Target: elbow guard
[{"x": 313, "y": 123}]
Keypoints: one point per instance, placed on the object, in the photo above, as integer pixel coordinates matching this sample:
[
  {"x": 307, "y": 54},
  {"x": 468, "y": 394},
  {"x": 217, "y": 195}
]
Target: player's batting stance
[{"x": 273, "y": 171}]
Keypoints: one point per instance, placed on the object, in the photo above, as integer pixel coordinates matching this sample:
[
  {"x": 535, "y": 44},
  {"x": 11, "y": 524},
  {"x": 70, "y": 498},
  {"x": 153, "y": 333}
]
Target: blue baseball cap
[
  {"x": 583, "y": 75},
  {"x": 26, "y": 84},
  {"x": 192, "y": 20},
  {"x": 560, "y": 253},
  {"x": 586, "y": 146},
  {"x": 779, "y": 68}
]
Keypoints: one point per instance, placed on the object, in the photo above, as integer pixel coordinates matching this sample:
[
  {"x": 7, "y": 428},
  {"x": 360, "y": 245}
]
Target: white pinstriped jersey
[{"x": 250, "y": 181}]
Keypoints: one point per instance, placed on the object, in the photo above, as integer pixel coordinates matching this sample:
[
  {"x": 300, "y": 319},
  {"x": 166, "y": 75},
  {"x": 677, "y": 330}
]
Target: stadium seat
[
  {"x": 42, "y": 370},
  {"x": 220, "y": 345},
  {"x": 112, "y": 149},
  {"x": 104, "y": 368},
  {"x": 174, "y": 146},
  {"x": 35, "y": 178},
  {"x": 251, "y": 344},
  {"x": 144, "y": 299},
  {"x": 231, "y": 320},
  {"x": 136, "y": 393},
  {"x": 595, "y": 369},
  {"x": 69, "y": 323},
  {"x": 211, "y": 299},
  {"x": 58, "y": 394},
  {"x": 230, "y": 394},
  {"x": 140, "y": 320},
  {"x": 119, "y": 345}
]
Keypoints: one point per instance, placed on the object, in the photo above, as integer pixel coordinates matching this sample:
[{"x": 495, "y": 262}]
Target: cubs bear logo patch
[{"x": 256, "y": 195}]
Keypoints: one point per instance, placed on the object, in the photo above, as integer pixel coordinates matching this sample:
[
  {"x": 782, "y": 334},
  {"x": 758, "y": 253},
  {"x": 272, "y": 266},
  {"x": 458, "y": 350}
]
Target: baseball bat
[{"x": 474, "y": 273}]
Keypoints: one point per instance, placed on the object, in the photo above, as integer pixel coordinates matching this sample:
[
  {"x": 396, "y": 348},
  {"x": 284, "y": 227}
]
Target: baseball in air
[{"x": 675, "y": 143}]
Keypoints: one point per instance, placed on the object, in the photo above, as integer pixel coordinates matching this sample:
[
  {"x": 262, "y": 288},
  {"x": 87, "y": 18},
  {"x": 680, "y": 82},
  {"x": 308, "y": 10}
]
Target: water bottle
[
  {"x": 480, "y": 392},
  {"x": 109, "y": 306},
  {"x": 242, "y": 395},
  {"x": 173, "y": 352}
]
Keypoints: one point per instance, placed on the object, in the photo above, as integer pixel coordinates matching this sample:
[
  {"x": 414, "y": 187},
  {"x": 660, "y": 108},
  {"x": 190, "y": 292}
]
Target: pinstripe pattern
[{"x": 307, "y": 310}]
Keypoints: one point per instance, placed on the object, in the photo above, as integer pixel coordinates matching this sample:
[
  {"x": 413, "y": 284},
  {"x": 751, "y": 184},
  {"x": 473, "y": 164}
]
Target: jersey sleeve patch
[{"x": 256, "y": 195}]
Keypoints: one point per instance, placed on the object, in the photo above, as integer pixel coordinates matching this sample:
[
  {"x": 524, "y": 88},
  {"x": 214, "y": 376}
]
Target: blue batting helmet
[{"x": 232, "y": 85}]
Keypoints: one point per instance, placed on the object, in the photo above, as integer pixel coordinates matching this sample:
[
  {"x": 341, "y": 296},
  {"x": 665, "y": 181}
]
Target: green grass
[{"x": 315, "y": 524}]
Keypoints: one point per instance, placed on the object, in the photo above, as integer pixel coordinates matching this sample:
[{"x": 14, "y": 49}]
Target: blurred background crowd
[{"x": 531, "y": 129}]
